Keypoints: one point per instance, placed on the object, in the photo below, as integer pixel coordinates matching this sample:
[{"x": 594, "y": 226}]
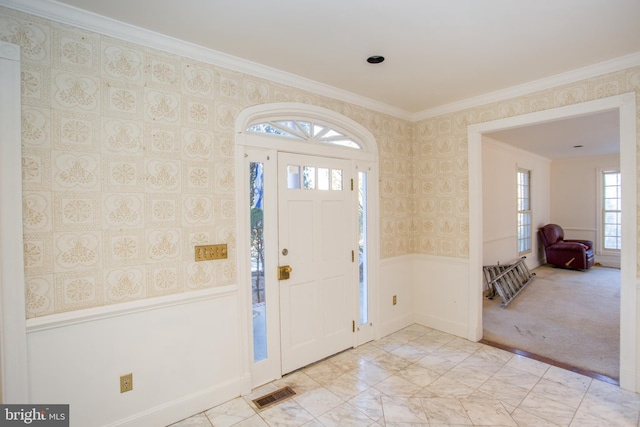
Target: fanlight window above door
[{"x": 304, "y": 131}]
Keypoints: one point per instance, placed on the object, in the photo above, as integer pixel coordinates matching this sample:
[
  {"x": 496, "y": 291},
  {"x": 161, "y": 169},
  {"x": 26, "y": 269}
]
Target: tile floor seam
[{"x": 554, "y": 384}]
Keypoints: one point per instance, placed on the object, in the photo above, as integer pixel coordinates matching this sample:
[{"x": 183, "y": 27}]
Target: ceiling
[
  {"x": 589, "y": 135},
  {"x": 438, "y": 52}
]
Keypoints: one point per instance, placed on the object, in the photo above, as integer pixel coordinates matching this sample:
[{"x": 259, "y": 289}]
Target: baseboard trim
[
  {"x": 187, "y": 406},
  {"x": 453, "y": 328},
  {"x": 629, "y": 381},
  {"x": 395, "y": 325}
]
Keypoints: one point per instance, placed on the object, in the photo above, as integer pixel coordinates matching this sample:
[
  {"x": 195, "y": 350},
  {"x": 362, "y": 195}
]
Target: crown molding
[
  {"x": 73, "y": 16},
  {"x": 590, "y": 71}
]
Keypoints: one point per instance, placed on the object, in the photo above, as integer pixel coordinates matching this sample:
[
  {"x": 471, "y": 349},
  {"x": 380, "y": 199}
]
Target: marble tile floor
[{"x": 423, "y": 377}]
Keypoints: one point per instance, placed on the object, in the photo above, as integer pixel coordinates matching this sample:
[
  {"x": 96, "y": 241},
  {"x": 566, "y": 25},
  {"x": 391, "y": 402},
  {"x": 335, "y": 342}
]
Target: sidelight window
[
  {"x": 257, "y": 251},
  {"x": 363, "y": 255}
]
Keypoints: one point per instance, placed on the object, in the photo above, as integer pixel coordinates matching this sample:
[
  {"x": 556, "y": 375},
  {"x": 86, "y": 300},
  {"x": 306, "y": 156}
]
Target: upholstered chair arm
[
  {"x": 567, "y": 245},
  {"x": 587, "y": 243}
]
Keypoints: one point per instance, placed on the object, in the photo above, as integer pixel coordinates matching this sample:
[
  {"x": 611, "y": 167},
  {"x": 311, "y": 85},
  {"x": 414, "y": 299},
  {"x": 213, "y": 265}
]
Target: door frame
[
  {"x": 247, "y": 144},
  {"x": 625, "y": 104},
  {"x": 14, "y": 384}
]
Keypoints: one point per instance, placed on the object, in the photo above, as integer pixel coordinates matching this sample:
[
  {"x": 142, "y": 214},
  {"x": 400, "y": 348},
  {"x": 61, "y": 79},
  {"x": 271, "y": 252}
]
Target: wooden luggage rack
[{"x": 507, "y": 280}]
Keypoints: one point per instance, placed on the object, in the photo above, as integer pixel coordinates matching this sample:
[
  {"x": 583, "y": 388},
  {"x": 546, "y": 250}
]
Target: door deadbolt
[
  {"x": 284, "y": 272},
  {"x": 285, "y": 251}
]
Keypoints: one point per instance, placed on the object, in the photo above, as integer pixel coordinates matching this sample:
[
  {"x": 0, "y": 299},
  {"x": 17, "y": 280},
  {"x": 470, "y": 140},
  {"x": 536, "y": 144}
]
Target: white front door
[{"x": 317, "y": 239}]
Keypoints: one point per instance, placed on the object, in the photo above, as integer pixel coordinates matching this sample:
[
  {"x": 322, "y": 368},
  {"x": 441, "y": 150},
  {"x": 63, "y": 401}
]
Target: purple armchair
[{"x": 574, "y": 254}]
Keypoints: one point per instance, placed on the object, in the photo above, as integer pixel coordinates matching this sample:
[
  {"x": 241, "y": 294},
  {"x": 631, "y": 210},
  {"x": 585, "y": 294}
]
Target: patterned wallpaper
[
  {"x": 442, "y": 187},
  {"x": 442, "y": 162},
  {"x": 128, "y": 163}
]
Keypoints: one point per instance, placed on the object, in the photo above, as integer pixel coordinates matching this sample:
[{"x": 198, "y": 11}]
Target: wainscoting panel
[
  {"x": 441, "y": 293},
  {"x": 184, "y": 351},
  {"x": 396, "y": 278}
]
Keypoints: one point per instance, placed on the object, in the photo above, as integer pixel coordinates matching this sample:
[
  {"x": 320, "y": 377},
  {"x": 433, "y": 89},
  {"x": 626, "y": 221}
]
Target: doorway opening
[
  {"x": 625, "y": 104},
  {"x": 550, "y": 171},
  {"x": 310, "y": 175}
]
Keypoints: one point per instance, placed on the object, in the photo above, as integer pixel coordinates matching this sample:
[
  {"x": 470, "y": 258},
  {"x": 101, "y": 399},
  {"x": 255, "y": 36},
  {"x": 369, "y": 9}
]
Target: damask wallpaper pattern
[
  {"x": 128, "y": 163},
  {"x": 442, "y": 160}
]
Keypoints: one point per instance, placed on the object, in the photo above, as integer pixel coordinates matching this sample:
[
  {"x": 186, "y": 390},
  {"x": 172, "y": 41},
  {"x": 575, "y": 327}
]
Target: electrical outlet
[
  {"x": 126, "y": 383},
  {"x": 395, "y": 299}
]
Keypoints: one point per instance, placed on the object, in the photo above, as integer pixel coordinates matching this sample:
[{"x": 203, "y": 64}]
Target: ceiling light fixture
[{"x": 375, "y": 59}]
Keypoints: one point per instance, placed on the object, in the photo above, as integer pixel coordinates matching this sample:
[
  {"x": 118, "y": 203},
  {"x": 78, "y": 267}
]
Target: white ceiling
[
  {"x": 597, "y": 134},
  {"x": 438, "y": 52}
]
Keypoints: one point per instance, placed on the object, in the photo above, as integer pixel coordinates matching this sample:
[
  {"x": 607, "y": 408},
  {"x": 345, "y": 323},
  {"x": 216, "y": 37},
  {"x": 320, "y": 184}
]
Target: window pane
[
  {"x": 288, "y": 124},
  {"x": 305, "y": 131},
  {"x": 612, "y": 242},
  {"x": 267, "y": 128},
  {"x": 612, "y": 218},
  {"x": 612, "y": 230},
  {"x": 523, "y": 203},
  {"x": 306, "y": 126},
  {"x": 343, "y": 143},
  {"x": 524, "y": 219},
  {"x": 611, "y": 179},
  {"x": 336, "y": 179},
  {"x": 611, "y": 192},
  {"x": 362, "y": 244},
  {"x": 309, "y": 178},
  {"x": 293, "y": 177},
  {"x": 612, "y": 204},
  {"x": 256, "y": 232},
  {"x": 332, "y": 133},
  {"x": 323, "y": 179}
]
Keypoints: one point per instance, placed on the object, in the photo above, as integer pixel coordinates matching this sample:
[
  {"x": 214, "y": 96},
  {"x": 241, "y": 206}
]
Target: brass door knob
[{"x": 284, "y": 272}]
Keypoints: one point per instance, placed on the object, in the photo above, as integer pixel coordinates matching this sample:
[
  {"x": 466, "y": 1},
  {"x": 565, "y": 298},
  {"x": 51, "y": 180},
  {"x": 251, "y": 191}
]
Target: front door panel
[{"x": 316, "y": 239}]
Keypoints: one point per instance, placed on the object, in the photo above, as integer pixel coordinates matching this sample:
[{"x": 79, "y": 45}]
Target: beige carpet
[{"x": 571, "y": 317}]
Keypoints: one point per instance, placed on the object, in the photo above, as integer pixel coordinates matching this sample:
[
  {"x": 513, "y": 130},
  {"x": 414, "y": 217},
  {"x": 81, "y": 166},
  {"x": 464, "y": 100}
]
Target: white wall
[
  {"x": 499, "y": 211},
  {"x": 574, "y": 197},
  {"x": 185, "y": 353},
  {"x": 441, "y": 297},
  {"x": 397, "y": 278}
]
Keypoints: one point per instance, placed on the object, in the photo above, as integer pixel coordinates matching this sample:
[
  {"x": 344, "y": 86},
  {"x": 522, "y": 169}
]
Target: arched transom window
[{"x": 302, "y": 130}]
